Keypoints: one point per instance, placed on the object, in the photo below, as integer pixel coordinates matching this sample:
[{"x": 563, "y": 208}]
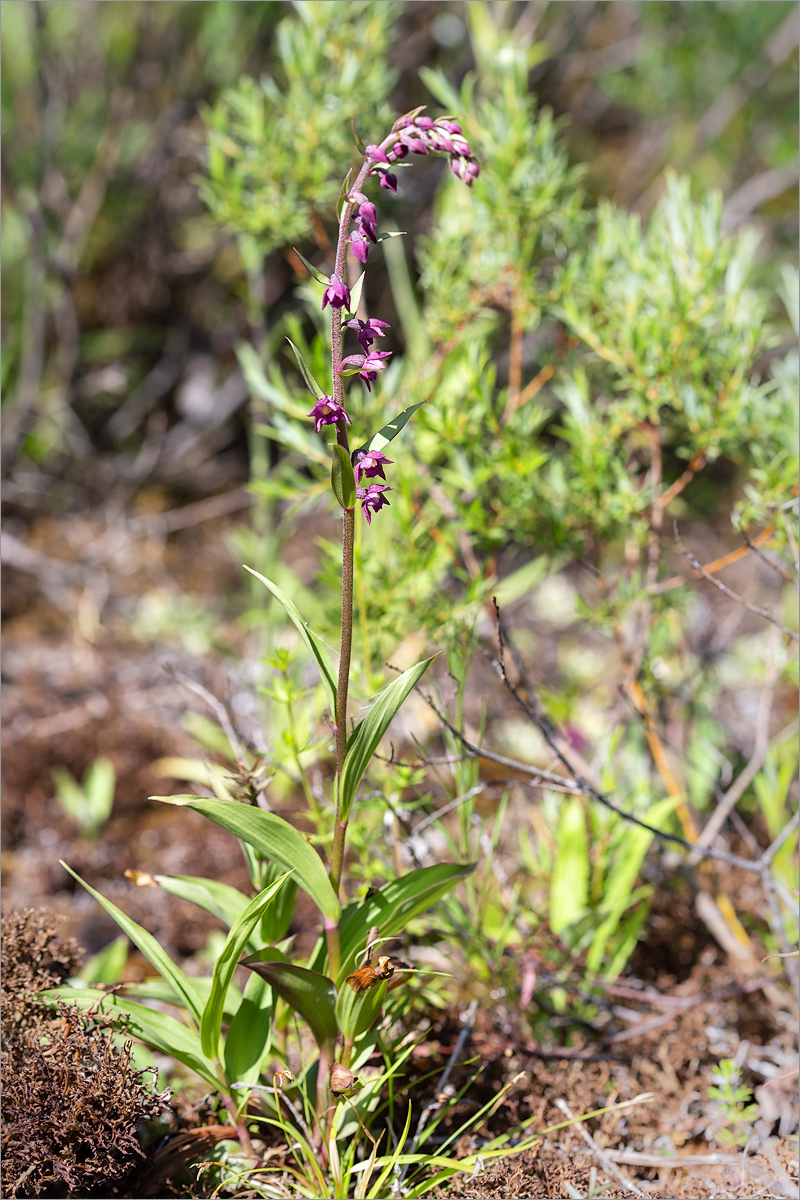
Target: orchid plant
[{"x": 231, "y": 1038}]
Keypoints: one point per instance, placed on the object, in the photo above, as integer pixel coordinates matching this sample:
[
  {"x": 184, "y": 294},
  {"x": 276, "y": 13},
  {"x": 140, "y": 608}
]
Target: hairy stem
[{"x": 348, "y": 546}]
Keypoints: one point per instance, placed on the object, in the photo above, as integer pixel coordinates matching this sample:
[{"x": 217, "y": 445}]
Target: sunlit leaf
[
  {"x": 372, "y": 728},
  {"x": 227, "y": 963},
  {"x": 274, "y": 838},
  {"x": 394, "y": 905},
  {"x": 150, "y": 948},
  {"x": 312, "y": 642}
]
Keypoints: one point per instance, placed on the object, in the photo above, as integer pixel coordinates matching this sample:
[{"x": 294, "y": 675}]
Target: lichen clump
[{"x": 72, "y": 1101}]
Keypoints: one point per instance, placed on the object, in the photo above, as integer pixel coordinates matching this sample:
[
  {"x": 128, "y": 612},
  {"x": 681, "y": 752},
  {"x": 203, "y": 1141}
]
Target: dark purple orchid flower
[
  {"x": 327, "y": 412},
  {"x": 368, "y": 463},
  {"x": 337, "y": 293},
  {"x": 388, "y": 180},
  {"x": 372, "y": 499},
  {"x": 367, "y": 330},
  {"x": 359, "y": 247}
]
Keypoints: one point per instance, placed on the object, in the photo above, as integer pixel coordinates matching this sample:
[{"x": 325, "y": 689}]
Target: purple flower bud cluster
[
  {"x": 418, "y": 134},
  {"x": 413, "y": 133},
  {"x": 366, "y": 229}
]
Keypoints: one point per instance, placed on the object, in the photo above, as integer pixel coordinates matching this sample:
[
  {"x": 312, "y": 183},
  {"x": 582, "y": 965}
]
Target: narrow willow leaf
[
  {"x": 355, "y": 293},
  {"x": 224, "y": 901},
  {"x": 305, "y": 369},
  {"x": 343, "y": 190},
  {"x": 343, "y": 481},
  {"x": 312, "y": 996},
  {"x": 312, "y": 270},
  {"x": 249, "y": 1038},
  {"x": 150, "y": 948},
  {"x": 311, "y": 640},
  {"x": 227, "y": 963},
  {"x": 275, "y": 839},
  {"x": 372, "y": 729},
  {"x": 155, "y": 1029},
  {"x": 362, "y": 149},
  {"x": 391, "y": 429},
  {"x": 394, "y": 905}
]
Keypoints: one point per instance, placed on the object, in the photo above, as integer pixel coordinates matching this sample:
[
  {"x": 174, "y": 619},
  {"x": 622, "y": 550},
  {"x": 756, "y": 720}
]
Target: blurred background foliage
[{"x": 604, "y": 326}]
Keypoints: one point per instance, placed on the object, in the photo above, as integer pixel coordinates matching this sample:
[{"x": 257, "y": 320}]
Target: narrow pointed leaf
[
  {"x": 151, "y": 949},
  {"x": 362, "y": 149},
  {"x": 108, "y": 964},
  {"x": 357, "y": 1011},
  {"x": 391, "y": 429},
  {"x": 312, "y": 270},
  {"x": 249, "y": 1037},
  {"x": 224, "y": 901},
  {"x": 312, "y": 996},
  {"x": 227, "y": 963},
  {"x": 155, "y": 1029},
  {"x": 157, "y": 989},
  {"x": 342, "y": 197},
  {"x": 311, "y": 640},
  {"x": 355, "y": 293},
  {"x": 273, "y": 838},
  {"x": 372, "y": 729},
  {"x": 343, "y": 480},
  {"x": 305, "y": 369},
  {"x": 394, "y": 905}
]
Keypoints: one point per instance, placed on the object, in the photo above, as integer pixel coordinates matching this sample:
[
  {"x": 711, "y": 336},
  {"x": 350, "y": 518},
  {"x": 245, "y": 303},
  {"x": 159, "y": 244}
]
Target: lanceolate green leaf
[
  {"x": 391, "y": 429},
  {"x": 312, "y": 996},
  {"x": 150, "y": 948},
  {"x": 343, "y": 479},
  {"x": 356, "y": 1011},
  {"x": 156, "y": 1029},
  {"x": 394, "y": 905},
  {"x": 312, "y": 642},
  {"x": 372, "y": 729},
  {"x": 249, "y": 1037},
  {"x": 275, "y": 839},
  {"x": 305, "y": 369},
  {"x": 227, "y": 963},
  {"x": 221, "y": 899}
]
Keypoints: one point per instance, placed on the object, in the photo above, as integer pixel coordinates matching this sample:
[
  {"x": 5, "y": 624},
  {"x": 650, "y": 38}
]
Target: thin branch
[
  {"x": 608, "y": 1166},
  {"x": 776, "y": 566},
  {"x": 216, "y": 706},
  {"x": 580, "y": 785},
  {"x": 727, "y": 560},
  {"x": 774, "y": 847},
  {"x": 753, "y": 608}
]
